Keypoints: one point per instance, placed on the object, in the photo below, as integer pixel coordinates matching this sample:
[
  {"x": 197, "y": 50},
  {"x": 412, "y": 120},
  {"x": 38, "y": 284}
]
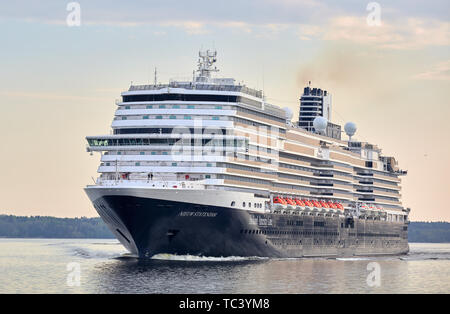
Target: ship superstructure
[{"x": 208, "y": 167}]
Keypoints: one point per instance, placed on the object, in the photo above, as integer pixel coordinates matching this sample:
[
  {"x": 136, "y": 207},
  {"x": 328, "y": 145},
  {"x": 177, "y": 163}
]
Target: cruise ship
[{"x": 208, "y": 167}]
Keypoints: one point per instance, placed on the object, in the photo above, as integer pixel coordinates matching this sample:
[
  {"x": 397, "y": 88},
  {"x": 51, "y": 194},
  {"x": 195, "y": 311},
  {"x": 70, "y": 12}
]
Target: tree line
[{"x": 51, "y": 227}]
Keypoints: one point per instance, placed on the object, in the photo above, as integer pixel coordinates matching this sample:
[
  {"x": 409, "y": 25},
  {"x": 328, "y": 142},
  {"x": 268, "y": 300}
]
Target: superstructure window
[
  {"x": 183, "y": 97},
  {"x": 157, "y": 130}
]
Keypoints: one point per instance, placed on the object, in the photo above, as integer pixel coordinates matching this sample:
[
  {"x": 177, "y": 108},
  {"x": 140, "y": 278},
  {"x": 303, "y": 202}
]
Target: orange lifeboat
[
  {"x": 279, "y": 202},
  {"x": 331, "y": 204},
  {"x": 308, "y": 205},
  {"x": 299, "y": 203},
  {"x": 290, "y": 203},
  {"x": 324, "y": 204},
  {"x": 316, "y": 204}
]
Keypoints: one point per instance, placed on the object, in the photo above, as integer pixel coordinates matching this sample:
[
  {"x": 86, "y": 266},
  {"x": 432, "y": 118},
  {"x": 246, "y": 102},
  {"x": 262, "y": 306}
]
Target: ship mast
[{"x": 206, "y": 61}]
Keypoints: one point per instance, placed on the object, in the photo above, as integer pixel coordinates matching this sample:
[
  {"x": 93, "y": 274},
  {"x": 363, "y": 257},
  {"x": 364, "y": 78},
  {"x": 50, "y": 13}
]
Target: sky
[{"x": 386, "y": 64}]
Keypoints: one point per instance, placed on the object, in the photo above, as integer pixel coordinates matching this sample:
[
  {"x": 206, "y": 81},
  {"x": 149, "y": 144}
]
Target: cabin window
[
  {"x": 145, "y": 117},
  {"x": 149, "y": 107},
  {"x": 162, "y": 106}
]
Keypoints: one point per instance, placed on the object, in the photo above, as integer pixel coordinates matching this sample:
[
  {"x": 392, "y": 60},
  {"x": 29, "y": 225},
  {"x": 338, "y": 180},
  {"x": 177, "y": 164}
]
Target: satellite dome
[
  {"x": 350, "y": 128},
  {"x": 288, "y": 113},
  {"x": 320, "y": 124}
]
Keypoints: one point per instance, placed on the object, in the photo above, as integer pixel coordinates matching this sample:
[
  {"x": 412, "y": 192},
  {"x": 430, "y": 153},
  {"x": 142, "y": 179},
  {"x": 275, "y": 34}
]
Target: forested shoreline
[{"x": 52, "y": 227}]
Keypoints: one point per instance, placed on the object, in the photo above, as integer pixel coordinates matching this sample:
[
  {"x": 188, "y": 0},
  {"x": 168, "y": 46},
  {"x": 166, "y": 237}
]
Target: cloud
[
  {"x": 190, "y": 27},
  {"x": 238, "y": 25},
  {"x": 440, "y": 71},
  {"x": 410, "y": 33},
  {"x": 308, "y": 32},
  {"x": 404, "y": 26}
]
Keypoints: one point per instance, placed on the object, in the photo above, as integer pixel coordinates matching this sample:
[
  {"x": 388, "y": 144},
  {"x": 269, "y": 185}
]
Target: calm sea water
[{"x": 41, "y": 266}]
